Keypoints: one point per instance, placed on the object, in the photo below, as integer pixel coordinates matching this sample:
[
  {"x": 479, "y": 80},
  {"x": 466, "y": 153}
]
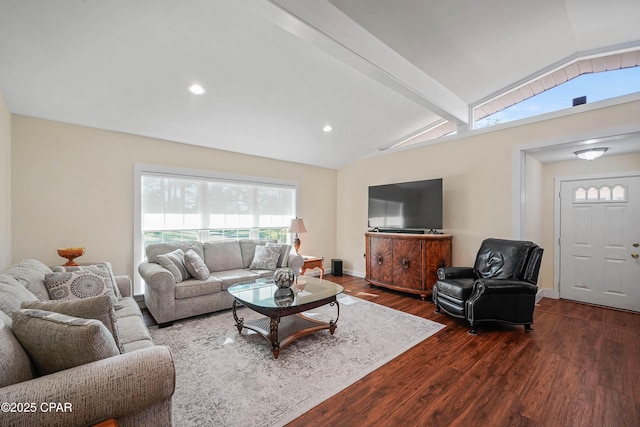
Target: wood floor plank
[{"x": 579, "y": 368}]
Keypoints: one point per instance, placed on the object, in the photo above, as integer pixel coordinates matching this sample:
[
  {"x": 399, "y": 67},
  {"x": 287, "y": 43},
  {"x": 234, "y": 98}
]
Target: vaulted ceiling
[{"x": 277, "y": 71}]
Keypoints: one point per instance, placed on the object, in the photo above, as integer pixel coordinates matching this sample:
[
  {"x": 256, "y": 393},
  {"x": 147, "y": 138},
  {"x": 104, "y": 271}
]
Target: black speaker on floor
[{"x": 336, "y": 267}]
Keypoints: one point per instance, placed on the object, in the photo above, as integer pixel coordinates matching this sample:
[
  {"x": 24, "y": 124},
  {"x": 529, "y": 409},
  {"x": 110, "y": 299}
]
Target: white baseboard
[
  {"x": 355, "y": 273},
  {"x": 547, "y": 293},
  {"x": 327, "y": 271}
]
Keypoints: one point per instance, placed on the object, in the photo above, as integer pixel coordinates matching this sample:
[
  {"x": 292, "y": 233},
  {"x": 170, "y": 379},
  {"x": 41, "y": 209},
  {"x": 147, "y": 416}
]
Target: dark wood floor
[{"x": 581, "y": 367}]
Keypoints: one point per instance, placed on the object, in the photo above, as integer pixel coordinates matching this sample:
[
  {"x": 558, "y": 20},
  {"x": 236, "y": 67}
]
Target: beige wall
[
  {"x": 534, "y": 171},
  {"x": 73, "y": 186},
  {"x": 576, "y": 168},
  {"x": 5, "y": 184},
  {"x": 478, "y": 175}
]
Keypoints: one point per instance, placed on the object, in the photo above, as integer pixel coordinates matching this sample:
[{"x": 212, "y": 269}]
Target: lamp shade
[{"x": 297, "y": 226}]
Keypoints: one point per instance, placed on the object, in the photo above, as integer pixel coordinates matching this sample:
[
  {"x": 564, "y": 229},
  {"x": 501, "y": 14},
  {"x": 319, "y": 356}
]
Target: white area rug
[{"x": 230, "y": 379}]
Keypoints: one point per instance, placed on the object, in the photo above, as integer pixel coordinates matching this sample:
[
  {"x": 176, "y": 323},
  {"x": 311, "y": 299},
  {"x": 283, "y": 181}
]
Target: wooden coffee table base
[{"x": 282, "y": 331}]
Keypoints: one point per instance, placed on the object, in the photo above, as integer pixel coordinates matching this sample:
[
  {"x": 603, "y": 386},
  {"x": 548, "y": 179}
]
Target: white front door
[{"x": 600, "y": 241}]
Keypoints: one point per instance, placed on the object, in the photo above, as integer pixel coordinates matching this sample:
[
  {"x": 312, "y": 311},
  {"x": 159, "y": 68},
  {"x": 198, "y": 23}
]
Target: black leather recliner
[{"x": 501, "y": 286}]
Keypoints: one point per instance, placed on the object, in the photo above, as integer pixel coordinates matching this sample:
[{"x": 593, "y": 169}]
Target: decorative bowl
[
  {"x": 284, "y": 277},
  {"x": 70, "y": 254},
  {"x": 302, "y": 284}
]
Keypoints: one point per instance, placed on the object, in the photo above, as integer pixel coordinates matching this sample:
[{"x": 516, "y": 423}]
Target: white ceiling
[{"x": 277, "y": 71}]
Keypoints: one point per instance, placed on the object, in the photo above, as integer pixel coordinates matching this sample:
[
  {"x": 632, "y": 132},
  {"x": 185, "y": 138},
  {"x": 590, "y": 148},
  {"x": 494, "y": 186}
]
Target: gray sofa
[
  {"x": 168, "y": 298},
  {"x": 134, "y": 387}
]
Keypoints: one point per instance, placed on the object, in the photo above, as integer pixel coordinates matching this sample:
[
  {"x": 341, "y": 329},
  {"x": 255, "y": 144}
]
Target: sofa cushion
[
  {"x": 128, "y": 307},
  {"x": 101, "y": 265},
  {"x": 4, "y": 317},
  {"x": 223, "y": 255},
  {"x": 30, "y": 273},
  {"x": 133, "y": 329},
  {"x": 265, "y": 258},
  {"x": 15, "y": 366},
  {"x": 155, "y": 249},
  {"x": 232, "y": 277},
  {"x": 12, "y": 294},
  {"x": 56, "y": 341},
  {"x": 86, "y": 283},
  {"x": 195, "y": 288},
  {"x": 99, "y": 308},
  {"x": 284, "y": 252},
  {"x": 460, "y": 289},
  {"x": 174, "y": 262},
  {"x": 195, "y": 265}
]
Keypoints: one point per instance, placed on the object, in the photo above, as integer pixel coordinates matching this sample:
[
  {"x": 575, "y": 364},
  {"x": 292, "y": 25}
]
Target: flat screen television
[{"x": 402, "y": 206}]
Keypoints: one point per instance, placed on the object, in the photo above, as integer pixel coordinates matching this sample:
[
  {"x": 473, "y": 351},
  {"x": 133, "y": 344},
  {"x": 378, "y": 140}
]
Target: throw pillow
[
  {"x": 4, "y": 317},
  {"x": 30, "y": 275},
  {"x": 99, "y": 308},
  {"x": 195, "y": 265},
  {"x": 264, "y": 259},
  {"x": 86, "y": 283},
  {"x": 283, "y": 260},
  {"x": 174, "y": 262},
  {"x": 102, "y": 265},
  {"x": 55, "y": 341},
  {"x": 15, "y": 366},
  {"x": 12, "y": 293}
]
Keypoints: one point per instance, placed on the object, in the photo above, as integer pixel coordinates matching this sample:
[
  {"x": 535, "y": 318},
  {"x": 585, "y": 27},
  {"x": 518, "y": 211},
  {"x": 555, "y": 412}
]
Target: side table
[{"x": 312, "y": 262}]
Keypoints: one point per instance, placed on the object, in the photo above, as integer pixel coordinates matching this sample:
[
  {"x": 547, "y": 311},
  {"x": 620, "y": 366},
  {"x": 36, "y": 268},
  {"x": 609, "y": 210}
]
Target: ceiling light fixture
[
  {"x": 590, "y": 153},
  {"x": 196, "y": 89},
  {"x": 327, "y": 128}
]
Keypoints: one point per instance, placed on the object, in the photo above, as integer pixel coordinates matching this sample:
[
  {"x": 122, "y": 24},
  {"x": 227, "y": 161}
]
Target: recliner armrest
[
  {"x": 455, "y": 273},
  {"x": 504, "y": 287}
]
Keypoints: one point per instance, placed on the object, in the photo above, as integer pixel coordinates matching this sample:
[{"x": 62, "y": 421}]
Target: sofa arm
[
  {"x": 159, "y": 291},
  {"x": 295, "y": 262},
  {"x": 117, "y": 387},
  {"x": 455, "y": 273},
  {"x": 157, "y": 277},
  {"x": 125, "y": 285}
]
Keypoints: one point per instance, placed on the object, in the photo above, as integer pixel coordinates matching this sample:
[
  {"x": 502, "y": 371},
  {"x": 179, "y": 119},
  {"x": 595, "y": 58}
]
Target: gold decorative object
[{"x": 70, "y": 254}]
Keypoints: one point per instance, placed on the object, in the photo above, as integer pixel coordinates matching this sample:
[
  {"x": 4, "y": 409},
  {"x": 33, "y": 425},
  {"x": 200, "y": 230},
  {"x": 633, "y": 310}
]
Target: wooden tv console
[{"x": 406, "y": 262}]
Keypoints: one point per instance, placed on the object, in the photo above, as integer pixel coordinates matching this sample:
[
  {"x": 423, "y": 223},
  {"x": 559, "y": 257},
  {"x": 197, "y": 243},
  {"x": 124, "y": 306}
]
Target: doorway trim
[{"x": 519, "y": 190}]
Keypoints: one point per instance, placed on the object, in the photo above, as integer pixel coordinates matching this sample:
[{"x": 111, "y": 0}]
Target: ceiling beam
[{"x": 324, "y": 26}]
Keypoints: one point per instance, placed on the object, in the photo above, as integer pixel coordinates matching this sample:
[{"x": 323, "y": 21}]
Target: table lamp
[{"x": 297, "y": 226}]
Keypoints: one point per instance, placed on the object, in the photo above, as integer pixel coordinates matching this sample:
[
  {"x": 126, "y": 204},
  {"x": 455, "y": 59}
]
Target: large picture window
[{"x": 181, "y": 205}]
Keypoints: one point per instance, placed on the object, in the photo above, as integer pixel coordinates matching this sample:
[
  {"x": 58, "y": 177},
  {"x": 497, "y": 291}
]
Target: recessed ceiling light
[
  {"x": 327, "y": 128},
  {"x": 196, "y": 89}
]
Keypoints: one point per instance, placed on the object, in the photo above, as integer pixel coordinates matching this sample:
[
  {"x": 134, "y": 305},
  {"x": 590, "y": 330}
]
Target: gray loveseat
[
  {"x": 135, "y": 387},
  {"x": 228, "y": 261}
]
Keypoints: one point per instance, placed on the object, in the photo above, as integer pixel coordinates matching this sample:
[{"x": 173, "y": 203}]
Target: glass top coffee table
[{"x": 284, "y": 321}]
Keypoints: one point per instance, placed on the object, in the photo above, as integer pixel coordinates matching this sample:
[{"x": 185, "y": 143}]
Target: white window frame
[{"x": 141, "y": 169}]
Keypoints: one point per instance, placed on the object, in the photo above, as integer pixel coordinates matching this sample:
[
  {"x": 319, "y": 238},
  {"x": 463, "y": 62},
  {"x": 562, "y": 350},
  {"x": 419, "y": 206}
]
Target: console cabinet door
[
  {"x": 436, "y": 254},
  {"x": 407, "y": 264},
  {"x": 380, "y": 255}
]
